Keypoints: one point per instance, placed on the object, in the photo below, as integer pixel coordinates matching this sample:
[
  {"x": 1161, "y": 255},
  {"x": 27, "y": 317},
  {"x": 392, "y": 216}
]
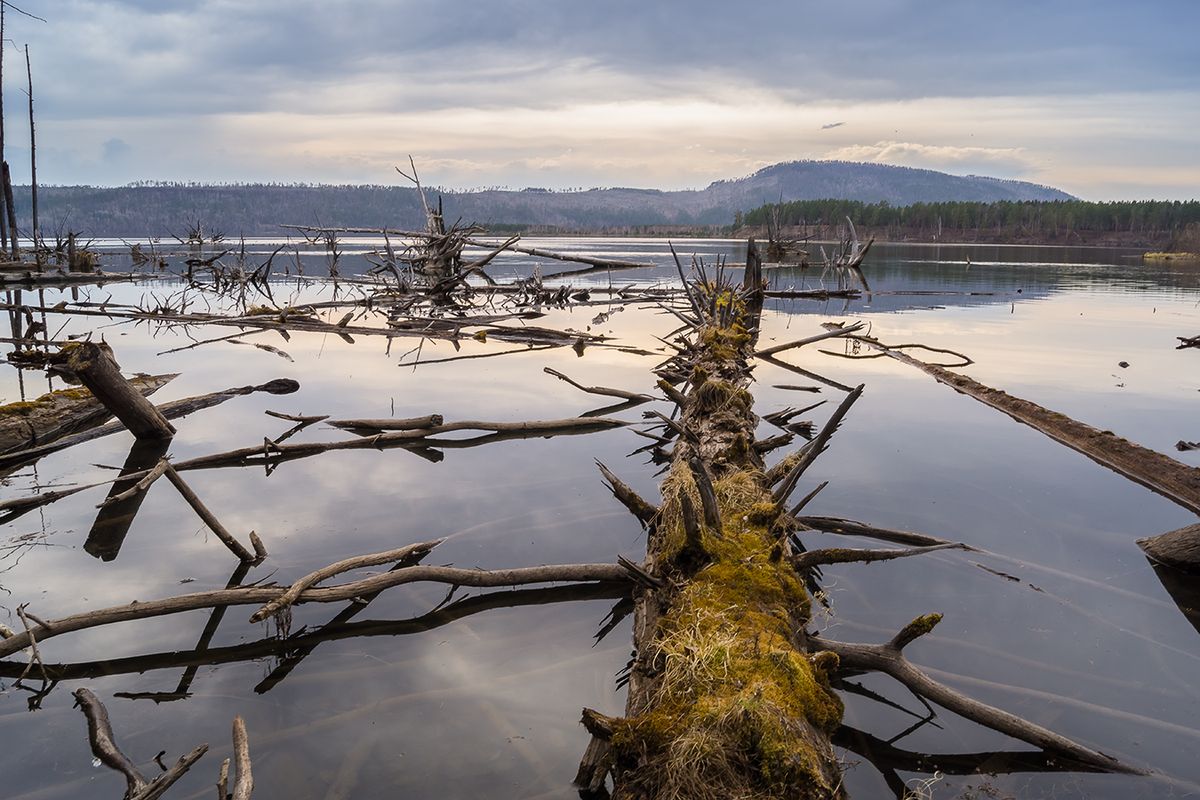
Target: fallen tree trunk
[
  {"x": 723, "y": 698},
  {"x": 1179, "y": 548},
  {"x": 93, "y": 364},
  {"x": 52, "y": 441},
  {"x": 1162, "y": 474},
  {"x": 56, "y": 414}
]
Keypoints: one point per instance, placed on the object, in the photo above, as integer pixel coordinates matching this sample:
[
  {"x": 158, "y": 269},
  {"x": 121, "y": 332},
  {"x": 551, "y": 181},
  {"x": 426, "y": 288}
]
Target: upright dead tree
[{"x": 35, "y": 231}]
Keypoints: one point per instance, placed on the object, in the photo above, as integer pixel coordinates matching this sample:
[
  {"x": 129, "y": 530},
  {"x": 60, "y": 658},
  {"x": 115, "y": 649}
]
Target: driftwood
[
  {"x": 1179, "y": 548},
  {"x": 173, "y": 409},
  {"x": 294, "y": 591},
  {"x": 243, "y": 784},
  {"x": 474, "y": 242},
  {"x": 600, "y": 390},
  {"x": 55, "y": 414},
  {"x": 332, "y": 594},
  {"x": 1161, "y": 474},
  {"x": 368, "y": 427},
  {"x": 212, "y": 522},
  {"x": 292, "y": 648},
  {"x": 730, "y": 566},
  {"x": 104, "y": 747},
  {"x": 93, "y": 364},
  {"x": 889, "y": 659},
  {"x": 699, "y": 631}
]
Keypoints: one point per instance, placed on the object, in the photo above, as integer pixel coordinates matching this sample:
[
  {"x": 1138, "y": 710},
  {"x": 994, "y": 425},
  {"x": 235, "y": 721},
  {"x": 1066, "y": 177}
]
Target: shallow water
[{"x": 1085, "y": 640}]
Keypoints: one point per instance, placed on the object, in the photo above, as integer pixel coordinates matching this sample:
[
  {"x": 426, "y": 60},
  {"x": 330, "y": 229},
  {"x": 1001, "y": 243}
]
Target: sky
[{"x": 1098, "y": 98}]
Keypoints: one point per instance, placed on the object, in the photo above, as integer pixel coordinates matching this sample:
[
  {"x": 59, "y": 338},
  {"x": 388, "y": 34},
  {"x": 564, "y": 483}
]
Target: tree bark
[
  {"x": 724, "y": 700},
  {"x": 96, "y": 369}
]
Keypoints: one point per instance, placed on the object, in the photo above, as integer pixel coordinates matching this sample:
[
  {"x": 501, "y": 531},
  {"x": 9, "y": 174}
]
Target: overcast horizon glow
[{"x": 1099, "y": 99}]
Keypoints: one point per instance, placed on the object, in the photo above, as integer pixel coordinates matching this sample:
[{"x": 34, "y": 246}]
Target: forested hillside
[
  {"x": 161, "y": 209},
  {"x": 1149, "y": 221}
]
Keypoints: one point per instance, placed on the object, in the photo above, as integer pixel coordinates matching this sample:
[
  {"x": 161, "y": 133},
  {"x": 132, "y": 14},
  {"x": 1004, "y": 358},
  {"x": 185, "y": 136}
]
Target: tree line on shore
[{"x": 1057, "y": 220}]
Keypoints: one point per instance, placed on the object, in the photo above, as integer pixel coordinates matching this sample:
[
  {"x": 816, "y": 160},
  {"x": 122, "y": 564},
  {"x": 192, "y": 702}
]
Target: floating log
[
  {"x": 171, "y": 410},
  {"x": 1179, "y": 548},
  {"x": 56, "y": 414},
  {"x": 1162, "y": 474}
]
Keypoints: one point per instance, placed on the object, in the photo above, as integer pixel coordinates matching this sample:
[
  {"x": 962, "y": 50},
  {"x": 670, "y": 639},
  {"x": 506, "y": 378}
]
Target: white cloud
[{"x": 943, "y": 157}]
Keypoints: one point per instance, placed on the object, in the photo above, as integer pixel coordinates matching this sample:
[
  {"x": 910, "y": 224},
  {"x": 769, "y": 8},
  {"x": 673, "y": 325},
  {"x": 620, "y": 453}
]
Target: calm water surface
[{"x": 1078, "y": 633}]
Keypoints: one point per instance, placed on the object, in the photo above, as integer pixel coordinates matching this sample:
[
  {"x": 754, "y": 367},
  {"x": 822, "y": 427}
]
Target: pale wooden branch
[
  {"x": 846, "y": 555},
  {"x": 889, "y": 659},
  {"x": 243, "y": 783},
  {"x": 369, "y": 427},
  {"x": 214, "y": 524},
  {"x": 358, "y": 562},
  {"x": 142, "y": 485},
  {"x": 600, "y": 390},
  {"x": 558, "y": 573},
  {"x": 779, "y": 348}
]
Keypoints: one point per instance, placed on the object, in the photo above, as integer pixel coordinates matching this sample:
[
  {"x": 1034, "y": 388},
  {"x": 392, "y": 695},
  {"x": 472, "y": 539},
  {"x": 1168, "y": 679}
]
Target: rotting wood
[
  {"x": 754, "y": 721},
  {"x": 55, "y": 414},
  {"x": 1161, "y": 474},
  {"x": 1178, "y": 548},
  {"x": 94, "y": 366},
  {"x": 257, "y": 595},
  {"x": 173, "y": 409},
  {"x": 706, "y": 715},
  {"x": 104, "y": 747}
]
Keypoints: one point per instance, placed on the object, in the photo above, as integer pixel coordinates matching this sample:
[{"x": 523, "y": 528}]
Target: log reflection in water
[{"x": 337, "y": 629}]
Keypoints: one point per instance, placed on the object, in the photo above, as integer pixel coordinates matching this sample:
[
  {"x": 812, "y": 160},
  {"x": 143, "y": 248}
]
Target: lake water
[{"x": 1078, "y": 633}]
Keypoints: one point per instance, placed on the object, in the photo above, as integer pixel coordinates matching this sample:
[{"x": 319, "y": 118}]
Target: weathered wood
[
  {"x": 214, "y": 524},
  {"x": 56, "y": 414},
  {"x": 720, "y": 594},
  {"x": 889, "y": 658},
  {"x": 103, "y": 742},
  {"x": 1179, "y": 548},
  {"x": 1162, "y": 474},
  {"x": 412, "y": 551},
  {"x": 93, "y": 364},
  {"x": 257, "y": 595},
  {"x": 243, "y": 783},
  {"x": 147, "y": 384}
]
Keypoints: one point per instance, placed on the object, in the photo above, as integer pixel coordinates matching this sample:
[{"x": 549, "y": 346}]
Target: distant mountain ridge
[{"x": 160, "y": 209}]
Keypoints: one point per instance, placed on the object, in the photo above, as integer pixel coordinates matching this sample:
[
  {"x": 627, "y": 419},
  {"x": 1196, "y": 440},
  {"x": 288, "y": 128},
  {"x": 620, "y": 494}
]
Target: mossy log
[
  {"x": 57, "y": 413},
  {"x": 724, "y": 698}
]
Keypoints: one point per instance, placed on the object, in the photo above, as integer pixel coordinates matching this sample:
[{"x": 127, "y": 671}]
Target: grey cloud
[{"x": 221, "y": 56}]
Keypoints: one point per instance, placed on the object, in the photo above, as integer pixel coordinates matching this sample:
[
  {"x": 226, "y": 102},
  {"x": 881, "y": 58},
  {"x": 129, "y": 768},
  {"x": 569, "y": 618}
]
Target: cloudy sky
[{"x": 1099, "y": 98}]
